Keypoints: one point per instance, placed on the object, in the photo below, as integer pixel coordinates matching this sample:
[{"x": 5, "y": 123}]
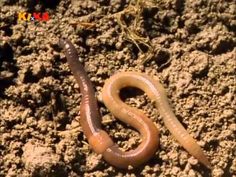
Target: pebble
[
  {"x": 218, "y": 172},
  {"x": 6, "y": 75}
]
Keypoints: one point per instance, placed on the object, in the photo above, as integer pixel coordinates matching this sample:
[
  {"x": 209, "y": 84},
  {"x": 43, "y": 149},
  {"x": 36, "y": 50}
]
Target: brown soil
[{"x": 189, "y": 45}]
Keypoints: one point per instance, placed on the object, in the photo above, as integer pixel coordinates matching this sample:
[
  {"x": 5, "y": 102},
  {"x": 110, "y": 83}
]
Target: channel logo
[{"x": 35, "y": 16}]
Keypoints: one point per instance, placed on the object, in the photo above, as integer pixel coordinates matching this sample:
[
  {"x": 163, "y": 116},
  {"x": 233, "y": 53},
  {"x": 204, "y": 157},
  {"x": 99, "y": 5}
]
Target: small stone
[
  {"x": 118, "y": 45},
  {"x": 193, "y": 161},
  {"x": 218, "y": 172},
  {"x": 228, "y": 113},
  {"x": 232, "y": 127},
  {"x": 175, "y": 170},
  {"x": 38, "y": 70},
  {"x": 191, "y": 173},
  {"x": 106, "y": 119},
  {"x": 6, "y": 75}
]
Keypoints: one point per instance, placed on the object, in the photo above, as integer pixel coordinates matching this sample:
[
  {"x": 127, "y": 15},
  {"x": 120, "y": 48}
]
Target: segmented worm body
[{"x": 90, "y": 118}]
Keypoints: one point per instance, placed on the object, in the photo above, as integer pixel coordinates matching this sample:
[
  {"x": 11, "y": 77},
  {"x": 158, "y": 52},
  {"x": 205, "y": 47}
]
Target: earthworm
[{"x": 90, "y": 117}]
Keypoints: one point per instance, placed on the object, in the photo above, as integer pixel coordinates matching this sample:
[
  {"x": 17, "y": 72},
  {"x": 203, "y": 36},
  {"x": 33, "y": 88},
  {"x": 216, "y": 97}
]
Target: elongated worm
[{"x": 90, "y": 118}]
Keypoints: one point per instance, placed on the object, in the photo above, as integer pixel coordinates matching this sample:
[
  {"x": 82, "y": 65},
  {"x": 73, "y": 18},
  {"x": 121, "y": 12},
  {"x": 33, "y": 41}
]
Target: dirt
[{"x": 190, "y": 46}]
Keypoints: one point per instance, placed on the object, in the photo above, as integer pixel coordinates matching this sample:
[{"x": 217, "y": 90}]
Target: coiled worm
[{"x": 90, "y": 118}]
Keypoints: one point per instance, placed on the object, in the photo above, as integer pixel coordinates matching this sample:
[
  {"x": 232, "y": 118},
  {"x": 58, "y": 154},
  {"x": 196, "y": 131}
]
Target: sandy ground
[{"x": 189, "y": 45}]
